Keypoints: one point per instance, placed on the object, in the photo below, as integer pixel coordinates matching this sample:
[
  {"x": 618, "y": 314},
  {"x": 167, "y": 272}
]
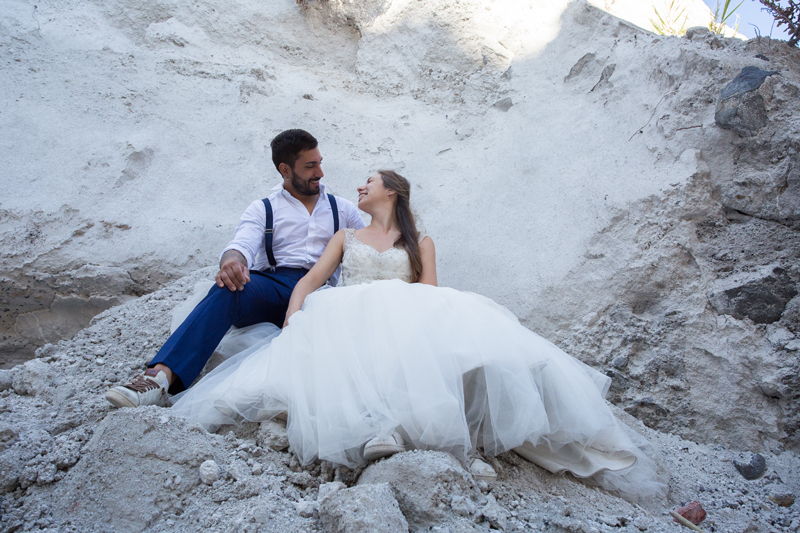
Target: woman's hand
[
  {"x": 289, "y": 313},
  {"x": 318, "y": 275}
]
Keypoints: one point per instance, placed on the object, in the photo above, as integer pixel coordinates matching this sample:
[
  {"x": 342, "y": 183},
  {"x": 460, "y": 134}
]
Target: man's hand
[{"x": 233, "y": 272}]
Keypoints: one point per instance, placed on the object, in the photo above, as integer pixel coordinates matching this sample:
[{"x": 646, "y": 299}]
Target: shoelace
[{"x": 142, "y": 384}]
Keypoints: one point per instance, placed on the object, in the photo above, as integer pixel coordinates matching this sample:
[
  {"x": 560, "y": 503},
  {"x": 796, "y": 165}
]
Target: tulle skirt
[{"x": 451, "y": 370}]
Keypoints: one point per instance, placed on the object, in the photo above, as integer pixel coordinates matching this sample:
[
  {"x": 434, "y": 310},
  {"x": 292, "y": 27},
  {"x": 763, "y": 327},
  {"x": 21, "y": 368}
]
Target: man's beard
[{"x": 304, "y": 187}]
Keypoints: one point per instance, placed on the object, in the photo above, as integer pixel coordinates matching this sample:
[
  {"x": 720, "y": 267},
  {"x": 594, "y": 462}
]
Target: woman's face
[{"x": 372, "y": 192}]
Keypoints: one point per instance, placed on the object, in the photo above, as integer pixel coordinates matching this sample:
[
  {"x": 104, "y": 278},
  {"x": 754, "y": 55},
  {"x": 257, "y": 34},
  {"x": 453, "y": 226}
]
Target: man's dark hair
[{"x": 287, "y": 145}]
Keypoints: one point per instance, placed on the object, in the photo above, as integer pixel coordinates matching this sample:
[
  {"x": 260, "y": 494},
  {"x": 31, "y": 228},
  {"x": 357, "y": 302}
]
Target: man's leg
[{"x": 183, "y": 356}]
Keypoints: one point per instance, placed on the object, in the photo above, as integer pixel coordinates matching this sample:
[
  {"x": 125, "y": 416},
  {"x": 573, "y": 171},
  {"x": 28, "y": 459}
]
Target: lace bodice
[{"x": 362, "y": 263}]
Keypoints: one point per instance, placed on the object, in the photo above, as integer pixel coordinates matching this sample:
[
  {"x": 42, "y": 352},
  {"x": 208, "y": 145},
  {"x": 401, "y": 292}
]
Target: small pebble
[
  {"x": 693, "y": 512},
  {"x": 209, "y": 472},
  {"x": 784, "y": 499},
  {"x": 306, "y": 508},
  {"x": 326, "y": 489},
  {"x": 5, "y": 380},
  {"x": 753, "y": 469}
]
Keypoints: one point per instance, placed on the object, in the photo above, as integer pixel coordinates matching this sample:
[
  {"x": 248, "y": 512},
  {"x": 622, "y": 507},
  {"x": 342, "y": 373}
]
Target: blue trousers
[{"x": 264, "y": 299}]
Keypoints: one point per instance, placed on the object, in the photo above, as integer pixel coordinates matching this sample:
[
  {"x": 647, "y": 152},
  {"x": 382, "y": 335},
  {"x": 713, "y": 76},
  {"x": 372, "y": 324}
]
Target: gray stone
[
  {"x": 696, "y": 33},
  {"x": 494, "y": 513},
  {"x": 10, "y": 471},
  {"x": 587, "y": 61},
  {"x": 784, "y": 499},
  {"x": 503, "y": 104},
  {"x": 326, "y": 489},
  {"x": 6, "y": 380},
  {"x": 364, "y": 508},
  {"x": 753, "y": 469},
  {"x": 608, "y": 71},
  {"x": 272, "y": 434},
  {"x": 745, "y": 114},
  {"x": 7, "y": 435},
  {"x": 306, "y": 508},
  {"x": 33, "y": 377},
  {"x": 761, "y": 300},
  {"x": 749, "y": 79},
  {"x": 424, "y": 483},
  {"x": 620, "y": 362},
  {"x": 209, "y": 472},
  {"x": 741, "y": 108}
]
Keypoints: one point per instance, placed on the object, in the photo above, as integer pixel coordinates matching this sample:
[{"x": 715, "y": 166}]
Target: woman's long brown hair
[{"x": 409, "y": 236}]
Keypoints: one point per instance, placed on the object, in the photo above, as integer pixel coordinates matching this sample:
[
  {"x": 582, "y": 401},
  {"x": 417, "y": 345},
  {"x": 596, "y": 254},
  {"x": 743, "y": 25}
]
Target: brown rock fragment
[{"x": 693, "y": 512}]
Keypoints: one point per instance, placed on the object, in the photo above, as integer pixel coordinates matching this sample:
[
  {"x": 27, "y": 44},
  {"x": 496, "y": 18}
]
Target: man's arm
[
  {"x": 233, "y": 272},
  {"x": 239, "y": 254}
]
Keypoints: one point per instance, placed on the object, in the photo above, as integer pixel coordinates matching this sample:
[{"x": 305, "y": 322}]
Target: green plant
[
  {"x": 721, "y": 15},
  {"x": 785, "y": 15},
  {"x": 673, "y": 22}
]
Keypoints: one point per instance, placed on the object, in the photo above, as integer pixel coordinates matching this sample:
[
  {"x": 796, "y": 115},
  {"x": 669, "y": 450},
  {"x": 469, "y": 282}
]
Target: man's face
[{"x": 304, "y": 178}]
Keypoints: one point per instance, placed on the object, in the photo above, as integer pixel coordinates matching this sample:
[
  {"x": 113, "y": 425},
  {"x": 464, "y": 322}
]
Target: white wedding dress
[{"x": 451, "y": 370}]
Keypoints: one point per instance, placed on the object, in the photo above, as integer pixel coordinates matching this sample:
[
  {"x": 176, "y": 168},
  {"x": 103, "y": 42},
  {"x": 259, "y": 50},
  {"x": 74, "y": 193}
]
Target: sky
[{"x": 750, "y": 13}]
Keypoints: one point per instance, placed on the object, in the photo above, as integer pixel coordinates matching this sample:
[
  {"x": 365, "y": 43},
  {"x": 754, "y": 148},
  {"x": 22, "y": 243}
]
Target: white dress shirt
[{"x": 299, "y": 238}]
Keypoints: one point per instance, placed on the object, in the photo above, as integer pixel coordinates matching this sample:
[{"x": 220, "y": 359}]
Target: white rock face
[{"x": 169, "y": 109}]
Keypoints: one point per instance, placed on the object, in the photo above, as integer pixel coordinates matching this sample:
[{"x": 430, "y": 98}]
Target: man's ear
[{"x": 285, "y": 170}]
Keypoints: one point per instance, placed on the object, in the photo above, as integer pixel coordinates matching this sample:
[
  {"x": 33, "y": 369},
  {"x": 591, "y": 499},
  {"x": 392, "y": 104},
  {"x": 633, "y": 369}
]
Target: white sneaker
[
  {"x": 149, "y": 388},
  {"x": 481, "y": 470},
  {"x": 383, "y": 446}
]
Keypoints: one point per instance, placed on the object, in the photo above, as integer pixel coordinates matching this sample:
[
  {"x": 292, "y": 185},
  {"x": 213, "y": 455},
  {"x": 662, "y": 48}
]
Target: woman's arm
[
  {"x": 427, "y": 254},
  {"x": 318, "y": 274}
]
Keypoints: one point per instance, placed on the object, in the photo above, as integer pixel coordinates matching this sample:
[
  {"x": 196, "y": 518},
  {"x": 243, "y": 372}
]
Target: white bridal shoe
[
  {"x": 480, "y": 469},
  {"x": 383, "y": 446}
]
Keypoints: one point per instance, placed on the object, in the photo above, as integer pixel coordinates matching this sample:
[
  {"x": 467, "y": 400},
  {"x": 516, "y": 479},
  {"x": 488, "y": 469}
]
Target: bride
[{"x": 389, "y": 361}]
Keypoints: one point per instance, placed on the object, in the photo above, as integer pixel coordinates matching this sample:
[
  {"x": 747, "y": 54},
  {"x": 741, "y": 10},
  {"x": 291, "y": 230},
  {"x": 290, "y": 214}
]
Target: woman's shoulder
[{"x": 346, "y": 235}]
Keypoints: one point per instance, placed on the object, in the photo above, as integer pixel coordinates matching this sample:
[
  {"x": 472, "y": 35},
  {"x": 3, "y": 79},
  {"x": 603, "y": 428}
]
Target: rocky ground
[{"x": 72, "y": 463}]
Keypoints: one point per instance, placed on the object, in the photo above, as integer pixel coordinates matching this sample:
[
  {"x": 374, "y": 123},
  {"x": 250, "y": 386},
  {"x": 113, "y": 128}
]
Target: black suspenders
[{"x": 268, "y": 229}]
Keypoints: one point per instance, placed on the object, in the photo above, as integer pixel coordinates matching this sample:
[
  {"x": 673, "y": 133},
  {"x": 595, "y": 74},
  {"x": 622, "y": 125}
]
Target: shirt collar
[{"x": 323, "y": 191}]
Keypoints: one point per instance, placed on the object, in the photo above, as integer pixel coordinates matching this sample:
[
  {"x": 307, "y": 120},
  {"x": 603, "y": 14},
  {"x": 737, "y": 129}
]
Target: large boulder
[
  {"x": 431, "y": 487},
  {"x": 362, "y": 509},
  {"x": 138, "y": 464}
]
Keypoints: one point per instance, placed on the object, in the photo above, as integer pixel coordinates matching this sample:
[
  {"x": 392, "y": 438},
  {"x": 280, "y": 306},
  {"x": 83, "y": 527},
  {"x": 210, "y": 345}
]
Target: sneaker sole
[
  {"x": 377, "y": 452},
  {"x": 485, "y": 478},
  {"x": 117, "y": 399}
]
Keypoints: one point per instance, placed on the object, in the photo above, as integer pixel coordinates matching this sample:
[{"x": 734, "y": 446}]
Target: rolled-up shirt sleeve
[{"x": 248, "y": 238}]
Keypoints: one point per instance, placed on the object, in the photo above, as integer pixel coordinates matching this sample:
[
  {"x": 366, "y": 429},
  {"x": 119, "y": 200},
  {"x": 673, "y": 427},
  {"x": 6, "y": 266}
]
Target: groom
[{"x": 277, "y": 241}]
